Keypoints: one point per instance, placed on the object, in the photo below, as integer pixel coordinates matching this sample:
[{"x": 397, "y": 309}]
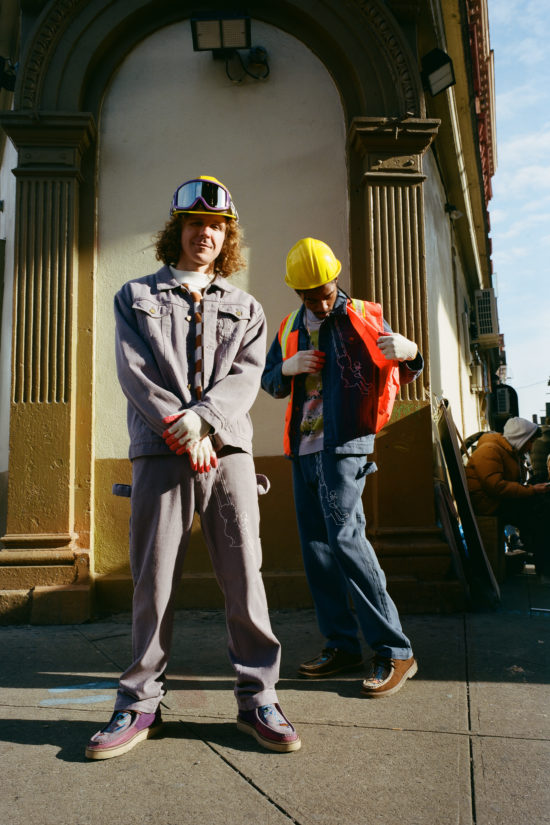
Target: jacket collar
[
  {"x": 165, "y": 281},
  {"x": 340, "y": 306}
]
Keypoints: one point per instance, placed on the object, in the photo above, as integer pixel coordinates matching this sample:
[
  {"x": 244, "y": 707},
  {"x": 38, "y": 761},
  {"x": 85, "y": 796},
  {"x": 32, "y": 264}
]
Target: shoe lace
[{"x": 381, "y": 668}]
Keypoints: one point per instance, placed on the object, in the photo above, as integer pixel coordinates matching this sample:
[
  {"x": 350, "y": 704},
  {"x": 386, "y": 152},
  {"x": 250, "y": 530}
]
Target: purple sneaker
[
  {"x": 270, "y": 727},
  {"x": 125, "y": 729}
]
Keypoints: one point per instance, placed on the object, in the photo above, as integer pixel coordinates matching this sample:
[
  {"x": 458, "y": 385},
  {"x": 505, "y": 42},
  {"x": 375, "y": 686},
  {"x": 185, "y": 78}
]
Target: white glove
[
  {"x": 305, "y": 360},
  {"x": 188, "y": 427},
  {"x": 396, "y": 347},
  {"x": 202, "y": 455}
]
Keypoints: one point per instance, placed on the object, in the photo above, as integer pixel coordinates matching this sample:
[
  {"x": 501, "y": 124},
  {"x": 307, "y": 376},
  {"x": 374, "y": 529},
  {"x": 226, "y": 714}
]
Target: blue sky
[{"x": 520, "y": 207}]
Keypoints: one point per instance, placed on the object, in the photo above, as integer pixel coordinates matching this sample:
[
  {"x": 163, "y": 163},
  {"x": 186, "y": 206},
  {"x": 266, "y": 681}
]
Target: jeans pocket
[{"x": 366, "y": 468}]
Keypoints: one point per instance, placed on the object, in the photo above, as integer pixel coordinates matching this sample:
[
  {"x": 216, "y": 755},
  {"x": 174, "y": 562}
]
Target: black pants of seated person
[{"x": 532, "y": 518}]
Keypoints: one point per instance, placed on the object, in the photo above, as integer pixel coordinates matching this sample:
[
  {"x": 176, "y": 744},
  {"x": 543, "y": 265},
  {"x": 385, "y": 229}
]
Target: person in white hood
[{"x": 497, "y": 482}]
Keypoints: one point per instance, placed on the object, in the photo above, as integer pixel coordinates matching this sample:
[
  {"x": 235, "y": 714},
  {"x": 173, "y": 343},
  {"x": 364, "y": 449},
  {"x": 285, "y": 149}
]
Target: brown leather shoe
[
  {"x": 387, "y": 676},
  {"x": 331, "y": 660}
]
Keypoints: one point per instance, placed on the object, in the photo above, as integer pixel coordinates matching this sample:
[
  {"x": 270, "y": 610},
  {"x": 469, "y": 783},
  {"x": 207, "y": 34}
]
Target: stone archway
[{"x": 68, "y": 61}]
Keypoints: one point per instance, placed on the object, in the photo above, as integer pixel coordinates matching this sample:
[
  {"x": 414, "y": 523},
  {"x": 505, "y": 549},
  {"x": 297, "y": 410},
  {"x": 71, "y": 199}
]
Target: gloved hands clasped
[
  {"x": 202, "y": 455},
  {"x": 189, "y": 434},
  {"x": 396, "y": 347}
]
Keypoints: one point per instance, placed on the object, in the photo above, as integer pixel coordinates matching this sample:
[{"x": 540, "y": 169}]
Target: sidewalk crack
[
  {"x": 243, "y": 776},
  {"x": 470, "y": 731}
]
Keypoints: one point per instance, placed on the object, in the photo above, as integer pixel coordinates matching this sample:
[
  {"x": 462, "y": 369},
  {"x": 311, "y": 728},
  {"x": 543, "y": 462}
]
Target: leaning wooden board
[{"x": 483, "y": 584}]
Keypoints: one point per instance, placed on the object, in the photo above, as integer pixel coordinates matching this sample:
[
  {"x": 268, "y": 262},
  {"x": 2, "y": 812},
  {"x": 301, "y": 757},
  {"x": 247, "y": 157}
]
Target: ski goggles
[{"x": 196, "y": 195}]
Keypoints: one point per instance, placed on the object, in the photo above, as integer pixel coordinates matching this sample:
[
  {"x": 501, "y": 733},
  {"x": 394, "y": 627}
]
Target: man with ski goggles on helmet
[{"x": 190, "y": 349}]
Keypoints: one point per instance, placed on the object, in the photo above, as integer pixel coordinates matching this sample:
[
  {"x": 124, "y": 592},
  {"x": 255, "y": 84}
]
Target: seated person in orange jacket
[{"x": 497, "y": 476}]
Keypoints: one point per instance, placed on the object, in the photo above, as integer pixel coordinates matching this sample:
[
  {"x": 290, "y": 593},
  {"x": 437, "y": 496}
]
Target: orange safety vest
[{"x": 368, "y": 321}]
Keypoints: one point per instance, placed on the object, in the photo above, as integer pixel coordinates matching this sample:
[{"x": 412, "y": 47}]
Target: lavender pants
[{"x": 165, "y": 495}]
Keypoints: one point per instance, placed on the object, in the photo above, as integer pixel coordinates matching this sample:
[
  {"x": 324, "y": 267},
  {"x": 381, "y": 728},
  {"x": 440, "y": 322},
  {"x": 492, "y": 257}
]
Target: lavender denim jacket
[{"x": 155, "y": 340}]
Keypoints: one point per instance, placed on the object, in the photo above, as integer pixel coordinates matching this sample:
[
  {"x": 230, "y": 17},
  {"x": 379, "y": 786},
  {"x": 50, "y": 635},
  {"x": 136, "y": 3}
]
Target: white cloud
[
  {"x": 534, "y": 16},
  {"x": 524, "y": 182},
  {"x": 525, "y": 145},
  {"x": 540, "y": 204},
  {"x": 522, "y": 225},
  {"x": 509, "y": 261},
  {"x": 498, "y": 216},
  {"x": 530, "y": 51},
  {"x": 502, "y": 12},
  {"x": 511, "y": 17},
  {"x": 511, "y": 104}
]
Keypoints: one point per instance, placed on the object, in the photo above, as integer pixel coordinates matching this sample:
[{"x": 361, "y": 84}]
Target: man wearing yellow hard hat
[
  {"x": 190, "y": 349},
  {"x": 341, "y": 365}
]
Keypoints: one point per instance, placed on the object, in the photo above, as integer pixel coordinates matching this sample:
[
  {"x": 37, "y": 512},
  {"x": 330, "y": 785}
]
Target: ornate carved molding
[
  {"x": 399, "y": 64},
  {"x": 484, "y": 89},
  {"x": 57, "y": 17},
  {"x": 55, "y": 20}
]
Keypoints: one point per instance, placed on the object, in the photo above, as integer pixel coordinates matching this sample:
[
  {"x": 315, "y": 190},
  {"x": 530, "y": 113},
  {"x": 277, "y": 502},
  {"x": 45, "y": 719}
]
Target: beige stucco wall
[
  {"x": 447, "y": 295},
  {"x": 171, "y": 113}
]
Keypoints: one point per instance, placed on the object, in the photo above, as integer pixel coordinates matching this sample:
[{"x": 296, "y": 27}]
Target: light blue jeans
[{"x": 338, "y": 558}]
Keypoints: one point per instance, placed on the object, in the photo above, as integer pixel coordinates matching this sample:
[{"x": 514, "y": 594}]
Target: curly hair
[{"x": 230, "y": 259}]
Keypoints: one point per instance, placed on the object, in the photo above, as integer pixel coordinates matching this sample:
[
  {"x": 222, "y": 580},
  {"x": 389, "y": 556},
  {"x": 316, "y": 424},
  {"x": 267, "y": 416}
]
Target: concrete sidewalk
[{"x": 466, "y": 741}]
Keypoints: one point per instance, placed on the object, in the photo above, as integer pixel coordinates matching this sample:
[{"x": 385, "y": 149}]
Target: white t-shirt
[{"x": 196, "y": 280}]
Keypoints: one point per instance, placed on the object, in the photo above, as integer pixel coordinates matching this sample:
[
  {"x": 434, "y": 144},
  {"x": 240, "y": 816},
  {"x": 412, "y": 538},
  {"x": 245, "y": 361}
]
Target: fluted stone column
[
  {"x": 388, "y": 225},
  {"x": 390, "y": 162},
  {"x": 43, "y": 414}
]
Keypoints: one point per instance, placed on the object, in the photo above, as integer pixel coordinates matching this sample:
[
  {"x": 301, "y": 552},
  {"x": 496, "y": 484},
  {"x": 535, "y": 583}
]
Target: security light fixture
[
  {"x": 437, "y": 71},
  {"x": 221, "y": 35},
  {"x": 226, "y": 36}
]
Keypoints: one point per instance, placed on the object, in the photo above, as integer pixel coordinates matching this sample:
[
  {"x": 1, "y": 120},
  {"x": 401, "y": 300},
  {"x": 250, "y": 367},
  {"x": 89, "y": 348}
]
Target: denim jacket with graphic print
[{"x": 342, "y": 430}]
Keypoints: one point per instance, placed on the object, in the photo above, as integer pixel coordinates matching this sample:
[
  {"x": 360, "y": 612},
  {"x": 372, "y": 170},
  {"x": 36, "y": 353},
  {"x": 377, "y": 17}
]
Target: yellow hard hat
[{"x": 310, "y": 264}]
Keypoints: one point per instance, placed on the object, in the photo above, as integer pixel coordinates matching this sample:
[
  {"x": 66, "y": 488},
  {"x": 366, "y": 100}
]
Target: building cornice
[{"x": 484, "y": 88}]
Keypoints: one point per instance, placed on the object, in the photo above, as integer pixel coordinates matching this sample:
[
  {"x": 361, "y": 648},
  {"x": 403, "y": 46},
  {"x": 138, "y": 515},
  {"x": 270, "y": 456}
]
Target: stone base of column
[
  {"x": 412, "y": 594},
  {"x": 401, "y": 519},
  {"x": 419, "y": 569},
  {"x": 45, "y": 586}
]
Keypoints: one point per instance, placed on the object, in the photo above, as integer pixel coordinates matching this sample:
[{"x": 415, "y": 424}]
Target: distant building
[{"x": 331, "y": 132}]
